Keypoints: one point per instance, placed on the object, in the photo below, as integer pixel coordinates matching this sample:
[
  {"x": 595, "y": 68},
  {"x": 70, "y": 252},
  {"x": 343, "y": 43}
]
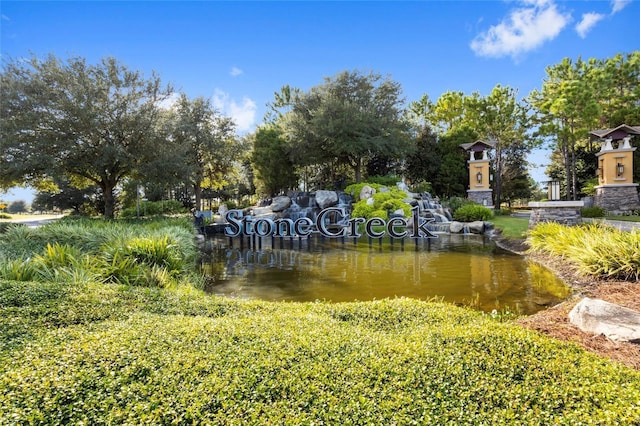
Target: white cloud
[
  {"x": 587, "y": 22},
  {"x": 618, "y": 5},
  {"x": 235, "y": 71},
  {"x": 5, "y": 17},
  {"x": 169, "y": 102},
  {"x": 525, "y": 29},
  {"x": 243, "y": 113}
]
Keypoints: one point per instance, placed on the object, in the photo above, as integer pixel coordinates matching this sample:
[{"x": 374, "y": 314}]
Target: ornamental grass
[{"x": 595, "y": 249}]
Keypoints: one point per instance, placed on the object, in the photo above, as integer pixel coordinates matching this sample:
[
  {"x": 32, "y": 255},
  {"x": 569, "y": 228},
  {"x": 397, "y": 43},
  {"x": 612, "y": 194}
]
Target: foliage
[
  {"x": 5, "y": 216},
  {"x": 579, "y": 96},
  {"x": 594, "y": 249},
  {"x": 589, "y": 187},
  {"x": 154, "y": 208},
  {"x": 592, "y": 212},
  {"x": 472, "y": 212},
  {"x": 108, "y": 354},
  {"x": 349, "y": 119},
  {"x": 383, "y": 202},
  {"x": 93, "y": 123},
  {"x": 145, "y": 254},
  {"x": 18, "y": 206},
  {"x": 455, "y": 203},
  {"x": 389, "y": 181},
  {"x": 205, "y": 142},
  {"x": 271, "y": 161},
  {"x": 66, "y": 196}
]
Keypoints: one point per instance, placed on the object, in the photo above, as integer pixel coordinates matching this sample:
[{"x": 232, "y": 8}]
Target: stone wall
[
  {"x": 484, "y": 198},
  {"x": 617, "y": 199},
  {"x": 564, "y": 212}
]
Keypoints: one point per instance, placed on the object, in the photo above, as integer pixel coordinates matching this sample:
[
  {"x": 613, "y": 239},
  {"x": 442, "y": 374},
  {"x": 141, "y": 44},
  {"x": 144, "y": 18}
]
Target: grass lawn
[
  {"x": 512, "y": 227},
  {"x": 624, "y": 218}
]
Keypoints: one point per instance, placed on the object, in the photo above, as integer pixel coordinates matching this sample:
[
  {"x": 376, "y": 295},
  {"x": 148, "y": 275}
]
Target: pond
[{"x": 463, "y": 269}]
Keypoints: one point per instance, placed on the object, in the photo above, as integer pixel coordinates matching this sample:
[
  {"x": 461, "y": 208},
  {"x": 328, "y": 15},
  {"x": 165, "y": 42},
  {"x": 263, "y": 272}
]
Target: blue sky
[{"x": 240, "y": 53}]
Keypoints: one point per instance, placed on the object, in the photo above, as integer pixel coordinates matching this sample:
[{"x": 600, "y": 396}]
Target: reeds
[{"x": 595, "y": 249}]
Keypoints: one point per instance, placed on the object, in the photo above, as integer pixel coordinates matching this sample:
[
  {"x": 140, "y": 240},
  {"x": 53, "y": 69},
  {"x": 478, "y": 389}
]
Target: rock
[
  {"x": 370, "y": 201},
  {"x": 476, "y": 227},
  {"x": 280, "y": 203},
  {"x": 326, "y": 198},
  {"x": 616, "y": 322},
  {"x": 456, "y": 227},
  {"x": 261, "y": 211},
  {"x": 366, "y": 192},
  {"x": 222, "y": 210},
  {"x": 397, "y": 213}
]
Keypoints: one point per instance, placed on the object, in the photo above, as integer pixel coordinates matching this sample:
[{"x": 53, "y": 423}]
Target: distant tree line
[{"x": 95, "y": 137}]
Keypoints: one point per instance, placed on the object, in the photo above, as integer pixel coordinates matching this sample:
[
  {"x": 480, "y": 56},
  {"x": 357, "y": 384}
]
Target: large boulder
[
  {"x": 326, "y": 199},
  {"x": 367, "y": 192},
  {"x": 456, "y": 227},
  {"x": 616, "y": 322},
  {"x": 476, "y": 227},
  {"x": 280, "y": 203}
]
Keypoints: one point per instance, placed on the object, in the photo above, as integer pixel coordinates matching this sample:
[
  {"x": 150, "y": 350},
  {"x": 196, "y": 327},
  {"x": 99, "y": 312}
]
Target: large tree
[
  {"x": 567, "y": 109},
  {"x": 504, "y": 120},
  {"x": 92, "y": 123},
  {"x": 498, "y": 117},
  {"x": 271, "y": 161},
  {"x": 348, "y": 120},
  {"x": 205, "y": 140}
]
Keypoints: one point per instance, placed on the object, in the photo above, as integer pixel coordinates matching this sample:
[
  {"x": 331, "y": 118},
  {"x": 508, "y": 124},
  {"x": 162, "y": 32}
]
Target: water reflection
[{"x": 467, "y": 270}]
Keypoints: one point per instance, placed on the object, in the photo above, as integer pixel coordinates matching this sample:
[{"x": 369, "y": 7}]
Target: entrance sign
[{"x": 330, "y": 222}]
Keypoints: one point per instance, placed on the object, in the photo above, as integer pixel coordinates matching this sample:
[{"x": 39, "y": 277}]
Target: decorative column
[
  {"x": 616, "y": 192},
  {"x": 479, "y": 172}
]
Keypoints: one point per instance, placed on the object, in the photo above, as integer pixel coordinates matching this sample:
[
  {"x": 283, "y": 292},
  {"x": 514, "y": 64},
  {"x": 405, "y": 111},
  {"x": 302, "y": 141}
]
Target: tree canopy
[
  {"x": 91, "y": 123},
  {"x": 347, "y": 120}
]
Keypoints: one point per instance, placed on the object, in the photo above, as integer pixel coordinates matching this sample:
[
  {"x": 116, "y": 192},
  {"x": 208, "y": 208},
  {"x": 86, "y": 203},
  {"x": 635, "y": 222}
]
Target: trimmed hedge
[{"x": 105, "y": 354}]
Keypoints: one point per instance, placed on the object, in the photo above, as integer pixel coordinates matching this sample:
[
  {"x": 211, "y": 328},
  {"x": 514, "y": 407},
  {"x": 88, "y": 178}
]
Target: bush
[
  {"x": 454, "y": 203},
  {"x": 5, "y": 216},
  {"x": 384, "y": 203},
  {"x": 472, "y": 212},
  {"x": 593, "y": 212},
  {"x": 110, "y": 355}
]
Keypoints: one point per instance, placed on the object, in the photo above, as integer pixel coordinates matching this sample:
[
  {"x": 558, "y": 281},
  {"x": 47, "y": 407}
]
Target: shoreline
[{"x": 554, "y": 321}]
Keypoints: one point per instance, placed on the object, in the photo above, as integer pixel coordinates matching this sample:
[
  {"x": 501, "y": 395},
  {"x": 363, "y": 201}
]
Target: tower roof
[
  {"x": 616, "y": 133},
  {"x": 478, "y": 146}
]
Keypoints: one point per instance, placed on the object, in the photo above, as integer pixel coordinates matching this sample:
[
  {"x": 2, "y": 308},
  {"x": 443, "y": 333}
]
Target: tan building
[
  {"x": 479, "y": 172},
  {"x": 616, "y": 192}
]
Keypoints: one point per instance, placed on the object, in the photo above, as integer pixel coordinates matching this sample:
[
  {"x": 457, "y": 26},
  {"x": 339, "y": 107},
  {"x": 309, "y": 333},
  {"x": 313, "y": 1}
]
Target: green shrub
[
  {"x": 472, "y": 212},
  {"x": 454, "y": 203},
  {"x": 110, "y": 355},
  {"x": 384, "y": 203},
  {"x": 5, "y": 216},
  {"x": 592, "y": 212}
]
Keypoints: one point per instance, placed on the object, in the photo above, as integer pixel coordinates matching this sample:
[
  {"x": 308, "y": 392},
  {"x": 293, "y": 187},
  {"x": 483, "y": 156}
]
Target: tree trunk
[
  {"x": 109, "y": 200},
  {"x": 497, "y": 181},
  {"x": 358, "y": 169},
  {"x": 567, "y": 169},
  {"x": 197, "y": 190}
]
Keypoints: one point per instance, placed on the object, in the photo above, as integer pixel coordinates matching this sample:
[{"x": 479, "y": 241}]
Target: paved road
[{"x": 34, "y": 221}]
